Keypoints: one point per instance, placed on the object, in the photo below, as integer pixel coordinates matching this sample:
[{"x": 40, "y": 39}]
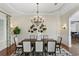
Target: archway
[{"x": 73, "y": 26}]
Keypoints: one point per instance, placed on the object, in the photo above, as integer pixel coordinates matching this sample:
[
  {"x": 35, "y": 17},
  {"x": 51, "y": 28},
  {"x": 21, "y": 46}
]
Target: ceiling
[{"x": 30, "y": 8}]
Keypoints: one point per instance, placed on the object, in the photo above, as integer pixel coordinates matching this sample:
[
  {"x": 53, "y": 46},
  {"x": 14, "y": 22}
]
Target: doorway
[{"x": 74, "y": 33}]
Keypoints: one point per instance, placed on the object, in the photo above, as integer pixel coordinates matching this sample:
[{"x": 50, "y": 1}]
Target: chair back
[
  {"x": 16, "y": 41},
  {"x": 26, "y": 46},
  {"x": 59, "y": 40},
  {"x": 39, "y": 46},
  {"x": 51, "y": 46},
  {"x": 45, "y": 36},
  {"x": 33, "y": 37}
]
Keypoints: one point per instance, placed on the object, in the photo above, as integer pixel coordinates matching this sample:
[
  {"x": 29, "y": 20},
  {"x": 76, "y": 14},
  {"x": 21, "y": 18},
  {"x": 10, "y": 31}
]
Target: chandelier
[
  {"x": 37, "y": 19},
  {"x": 38, "y": 23}
]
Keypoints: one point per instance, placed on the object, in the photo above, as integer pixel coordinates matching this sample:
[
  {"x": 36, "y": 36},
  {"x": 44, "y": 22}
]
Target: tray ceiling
[{"x": 30, "y": 8}]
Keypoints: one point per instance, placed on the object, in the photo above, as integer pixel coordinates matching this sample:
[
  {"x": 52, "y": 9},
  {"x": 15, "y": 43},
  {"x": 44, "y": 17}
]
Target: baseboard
[
  {"x": 65, "y": 46},
  {"x": 8, "y": 51}
]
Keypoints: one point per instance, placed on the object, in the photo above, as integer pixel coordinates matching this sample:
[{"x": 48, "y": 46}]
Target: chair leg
[
  {"x": 15, "y": 51},
  {"x": 46, "y": 54},
  {"x": 22, "y": 53},
  {"x": 18, "y": 51},
  {"x": 55, "y": 53},
  {"x": 60, "y": 50},
  {"x": 25, "y": 54},
  {"x": 42, "y": 54},
  {"x": 30, "y": 54},
  {"x": 57, "y": 49}
]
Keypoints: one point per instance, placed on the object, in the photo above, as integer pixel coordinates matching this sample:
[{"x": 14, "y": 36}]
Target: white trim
[{"x": 70, "y": 44}]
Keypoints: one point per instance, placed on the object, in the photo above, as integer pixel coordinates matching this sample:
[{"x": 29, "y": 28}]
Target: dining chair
[
  {"x": 33, "y": 37},
  {"x": 39, "y": 47},
  {"x": 18, "y": 47},
  {"x": 45, "y": 36},
  {"x": 27, "y": 47},
  {"x": 58, "y": 44},
  {"x": 51, "y": 47}
]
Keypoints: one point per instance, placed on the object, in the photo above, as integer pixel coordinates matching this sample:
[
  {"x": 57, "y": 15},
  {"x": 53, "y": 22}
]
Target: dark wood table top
[{"x": 33, "y": 40}]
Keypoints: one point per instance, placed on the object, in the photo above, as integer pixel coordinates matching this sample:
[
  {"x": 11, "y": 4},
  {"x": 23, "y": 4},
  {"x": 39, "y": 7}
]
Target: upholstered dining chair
[
  {"x": 58, "y": 44},
  {"x": 51, "y": 47},
  {"x": 39, "y": 47},
  {"x": 45, "y": 37},
  {"x": 33, "y": 37},
  {"x": 27, "y": 47},
  {"x": 18, "y": 47}
]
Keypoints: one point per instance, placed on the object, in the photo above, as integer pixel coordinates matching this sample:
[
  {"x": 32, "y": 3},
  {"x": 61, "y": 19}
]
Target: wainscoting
[{"x": 8, "y": 51}]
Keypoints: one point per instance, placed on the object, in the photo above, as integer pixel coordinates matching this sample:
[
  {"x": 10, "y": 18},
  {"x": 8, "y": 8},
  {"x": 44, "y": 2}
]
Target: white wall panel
[{"x": 3, "y": 41}]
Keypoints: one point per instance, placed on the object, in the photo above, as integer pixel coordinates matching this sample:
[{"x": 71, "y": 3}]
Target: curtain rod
[{"x": 5, "y": 13}]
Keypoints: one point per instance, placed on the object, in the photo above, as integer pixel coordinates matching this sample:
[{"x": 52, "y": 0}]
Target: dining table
[{"x": 45, "y": 41}]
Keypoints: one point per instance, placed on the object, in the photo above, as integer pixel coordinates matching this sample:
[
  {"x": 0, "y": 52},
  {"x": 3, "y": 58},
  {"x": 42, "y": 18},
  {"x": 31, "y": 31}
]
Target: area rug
[{"x": 64, "y": 52}]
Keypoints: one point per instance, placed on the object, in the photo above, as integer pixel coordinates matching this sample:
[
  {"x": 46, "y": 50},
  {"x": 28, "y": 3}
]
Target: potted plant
[{"x": 16, "y": 31}]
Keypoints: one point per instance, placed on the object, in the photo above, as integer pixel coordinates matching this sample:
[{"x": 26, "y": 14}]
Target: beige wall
[
  {"x": 24, "y": 22},
  {"x": 64, "y": 32}
]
